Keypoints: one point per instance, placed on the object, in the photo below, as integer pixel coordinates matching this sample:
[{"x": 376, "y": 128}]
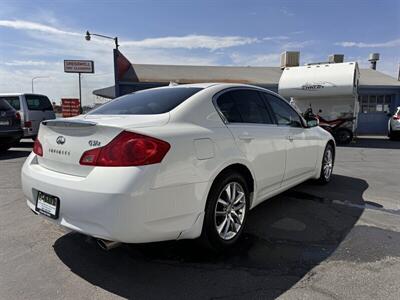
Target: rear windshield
[
  {"x": 37, "y": 102},
  {"x": 13, "y": 100},
  {"x": 4, "y": 106},
  {"x": 147, "y": 102}
]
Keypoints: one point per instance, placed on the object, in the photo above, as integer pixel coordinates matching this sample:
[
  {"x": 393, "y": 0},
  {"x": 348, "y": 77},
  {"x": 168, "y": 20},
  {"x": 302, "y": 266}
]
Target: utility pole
[{"x": 80, "y": 94}]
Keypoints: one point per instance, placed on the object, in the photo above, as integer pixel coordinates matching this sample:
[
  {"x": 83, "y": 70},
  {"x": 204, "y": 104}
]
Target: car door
[
  {"x": 34, "y": 113},
  {"x": 302, "y": 143},
  {"x": 39, "y": 109},
  {"x": 257, "y": 136}
]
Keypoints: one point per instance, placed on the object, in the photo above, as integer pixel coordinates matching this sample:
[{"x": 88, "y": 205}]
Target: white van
[{"x": 33, "y": 108}]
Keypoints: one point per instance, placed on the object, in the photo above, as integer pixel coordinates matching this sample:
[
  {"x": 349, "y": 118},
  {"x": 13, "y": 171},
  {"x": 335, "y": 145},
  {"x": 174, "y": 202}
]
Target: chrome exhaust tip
[{"x": 107, "y": 245}]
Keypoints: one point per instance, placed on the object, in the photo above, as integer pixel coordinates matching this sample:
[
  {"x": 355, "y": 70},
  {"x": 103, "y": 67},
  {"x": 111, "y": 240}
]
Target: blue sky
[{"x": 36, "y": 36}]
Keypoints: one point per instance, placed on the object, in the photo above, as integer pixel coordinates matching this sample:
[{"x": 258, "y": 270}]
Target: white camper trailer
[{"x": 331, "y": 88}]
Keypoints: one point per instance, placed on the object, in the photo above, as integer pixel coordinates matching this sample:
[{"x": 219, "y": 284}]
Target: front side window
[
  {"x": 13, "y": 101},
  {"x": 37, "y": 102},
  {"x": 284, "y": 114},
  {"x": 244, "y": 106},
  {"x": 147, "y": 102}
]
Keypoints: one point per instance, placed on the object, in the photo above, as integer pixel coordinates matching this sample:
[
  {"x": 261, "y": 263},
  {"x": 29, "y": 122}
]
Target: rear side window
[
  {"x": 147, "y": 102},
  {"x": 4, "y": 106},
  {"x": 37, "y": 102},
  {"x": 13, "y": 101},
  {"x": 244, "y": 106}
]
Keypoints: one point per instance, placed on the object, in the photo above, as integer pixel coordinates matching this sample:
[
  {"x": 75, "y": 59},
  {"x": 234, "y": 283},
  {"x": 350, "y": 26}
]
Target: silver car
[
  {"x": 394, "y": 124},
  {"x": 33, "y": 108}
]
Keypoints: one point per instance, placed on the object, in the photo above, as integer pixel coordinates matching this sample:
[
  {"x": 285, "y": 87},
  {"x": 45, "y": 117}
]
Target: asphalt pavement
[{"x": 339, "y": 241}]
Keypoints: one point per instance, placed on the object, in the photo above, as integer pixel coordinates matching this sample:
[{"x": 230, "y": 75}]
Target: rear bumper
[
  {"x": 396, "y": 128},
  {"x": 12, "y": 133},
  {"x": 118, "y": 204},
  {"x": 29, "y": 132}
]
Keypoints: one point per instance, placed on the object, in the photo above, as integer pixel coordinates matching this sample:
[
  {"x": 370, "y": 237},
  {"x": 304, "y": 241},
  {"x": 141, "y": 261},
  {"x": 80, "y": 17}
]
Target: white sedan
[
  {"x": 394, "y": 124},
  {"x": 169, "y": 163}
]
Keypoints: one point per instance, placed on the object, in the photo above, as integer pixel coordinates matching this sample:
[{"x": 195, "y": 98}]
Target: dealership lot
[{"x": 336, "y": 241}]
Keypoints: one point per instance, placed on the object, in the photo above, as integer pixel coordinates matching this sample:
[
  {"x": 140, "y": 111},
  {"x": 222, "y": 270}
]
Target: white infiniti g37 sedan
[{"x": 178, "y": 162}]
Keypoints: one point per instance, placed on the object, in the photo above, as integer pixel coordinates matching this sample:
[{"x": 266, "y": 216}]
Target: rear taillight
[
  {"x": 18, "y": 116},
  {"x": 127, "y": 149},
  {"x": 396, "y": 117},
  {"x": 37, "y": 147},
  {"x": 28, "y": 124}
]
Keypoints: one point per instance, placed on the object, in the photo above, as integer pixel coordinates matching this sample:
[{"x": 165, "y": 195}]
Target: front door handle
[{"x": 246, "y": 137}]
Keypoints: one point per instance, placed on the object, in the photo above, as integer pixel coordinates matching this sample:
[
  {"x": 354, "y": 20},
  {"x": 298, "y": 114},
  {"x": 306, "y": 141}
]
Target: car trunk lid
[{"x": 65, "y": 140}]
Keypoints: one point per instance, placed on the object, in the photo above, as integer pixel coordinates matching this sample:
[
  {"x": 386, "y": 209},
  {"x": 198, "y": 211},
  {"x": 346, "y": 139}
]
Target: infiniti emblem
[
  {"x": 60, "y": 140},
  {"x": 3, "y": 113}
]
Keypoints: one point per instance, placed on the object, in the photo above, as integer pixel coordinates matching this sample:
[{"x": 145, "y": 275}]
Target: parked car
[
  {"x": 33, "y": 108},
  {"x": 394, "y": 125},
  {"x": 10, "y": 126},
  {"x": 177, "y": 162}
]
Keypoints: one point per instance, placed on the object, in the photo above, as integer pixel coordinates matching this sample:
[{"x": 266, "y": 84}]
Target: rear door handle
[
  {"x": 246, "y": 137},
  {"x": 290, "y": 138}
]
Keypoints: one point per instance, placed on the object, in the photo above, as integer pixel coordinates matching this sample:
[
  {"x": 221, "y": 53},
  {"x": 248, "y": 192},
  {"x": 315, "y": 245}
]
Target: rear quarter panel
[{"x": 184, "y": 163}]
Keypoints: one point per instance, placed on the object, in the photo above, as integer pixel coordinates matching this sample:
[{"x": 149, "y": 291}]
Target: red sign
[{"x": 70, "y": 107}]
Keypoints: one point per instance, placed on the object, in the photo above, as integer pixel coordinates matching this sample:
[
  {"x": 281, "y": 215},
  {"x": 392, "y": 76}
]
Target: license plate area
[{"x": 48, "y": 205}]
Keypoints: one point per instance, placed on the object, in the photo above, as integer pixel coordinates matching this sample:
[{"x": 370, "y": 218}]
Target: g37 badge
[{"x": 94, "y": 143}]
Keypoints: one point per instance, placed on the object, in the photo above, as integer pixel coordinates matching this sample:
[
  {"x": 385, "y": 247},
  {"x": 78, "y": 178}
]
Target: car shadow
[
  {"x": 378, "y": 143},
  {"x": 13, "y": 153},
  {"x": 24, "y": 144},
  {"x": 286, "y": 238}
]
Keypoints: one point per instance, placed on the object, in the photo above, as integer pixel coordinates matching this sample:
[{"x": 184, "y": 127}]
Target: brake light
[
  {"x": 127, "y": 149},
  {"x": 18, "y": 116},
  {"x": 37, "y": 147},
  {"x": 396, "y": 117},
  {"x": 28, "y": 124}
]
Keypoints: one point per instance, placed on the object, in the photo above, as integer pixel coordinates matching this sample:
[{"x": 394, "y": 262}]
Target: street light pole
[
  {"x": 115, "y": 52},
  {"x": 88, "y": 37},
  {"x": 37, "y": 77}
]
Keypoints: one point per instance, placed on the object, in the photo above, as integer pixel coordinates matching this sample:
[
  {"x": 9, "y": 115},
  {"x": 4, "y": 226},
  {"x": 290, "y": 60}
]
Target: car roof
[
  {"x": 212, "y": 84},
  {"x": 20, "y": 94}
]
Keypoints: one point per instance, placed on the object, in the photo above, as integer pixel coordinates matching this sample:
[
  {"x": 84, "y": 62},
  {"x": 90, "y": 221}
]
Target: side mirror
[{"x": 312, "y": 122}]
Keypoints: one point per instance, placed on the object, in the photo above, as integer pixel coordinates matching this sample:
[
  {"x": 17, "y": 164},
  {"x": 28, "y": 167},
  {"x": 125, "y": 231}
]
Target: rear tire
[
  {"x": 328, "y": 160},
  {"x": 226, "y": 211},
  {"x": 343, "y": 136},
  {"x": 5, "y": 147},
  {"x": 392, "y": 136}
]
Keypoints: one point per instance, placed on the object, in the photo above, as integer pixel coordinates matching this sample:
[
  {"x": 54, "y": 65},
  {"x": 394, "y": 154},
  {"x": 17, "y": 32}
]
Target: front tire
[
  {"x": 327, "y": 165},
  {"x": 391, "y": 134},
  {"x": 226, "y": 211}
]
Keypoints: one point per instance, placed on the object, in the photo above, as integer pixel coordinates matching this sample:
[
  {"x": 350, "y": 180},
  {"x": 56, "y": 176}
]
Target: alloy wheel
[
  {"x": 230, "y": 210},
  {"x": 328, "y": 164}
]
